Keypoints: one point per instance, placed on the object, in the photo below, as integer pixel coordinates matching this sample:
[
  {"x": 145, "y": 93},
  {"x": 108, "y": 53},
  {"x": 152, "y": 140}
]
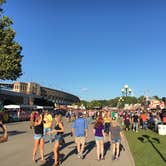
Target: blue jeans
[
  {"x": 38, "y": 136},
  {"x": 58, "y": 137},
  {"x": 135, "y": 126},
  {"x": 116, "y": 140},
  {"x": 46, "y": 130},
  {"x": 144, "y": 125}
]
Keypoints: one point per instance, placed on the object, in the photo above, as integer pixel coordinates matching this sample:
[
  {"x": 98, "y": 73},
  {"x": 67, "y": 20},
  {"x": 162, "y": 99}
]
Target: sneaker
[
  {"x": 116, "y": 158},
  {"x": 79, "y": 156},
  {"x": 103, "y": 158},
  {"x": 113, "y": 157}
]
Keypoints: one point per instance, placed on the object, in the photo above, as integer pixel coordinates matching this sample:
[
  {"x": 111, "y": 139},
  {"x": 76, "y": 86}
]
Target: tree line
[{"x": 115, "y": 102}]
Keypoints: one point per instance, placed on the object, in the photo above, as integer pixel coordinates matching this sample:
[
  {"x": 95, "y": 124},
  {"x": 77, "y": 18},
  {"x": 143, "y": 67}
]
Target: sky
[{"x": 92, "y": 48}]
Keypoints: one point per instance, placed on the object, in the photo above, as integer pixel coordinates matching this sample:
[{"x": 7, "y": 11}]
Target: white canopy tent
[{"x": 12, "y": 106}]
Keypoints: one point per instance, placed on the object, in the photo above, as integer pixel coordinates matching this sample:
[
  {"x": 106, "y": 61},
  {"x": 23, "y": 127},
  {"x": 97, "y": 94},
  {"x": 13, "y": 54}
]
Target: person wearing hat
[{"x": 80, "y": 130}]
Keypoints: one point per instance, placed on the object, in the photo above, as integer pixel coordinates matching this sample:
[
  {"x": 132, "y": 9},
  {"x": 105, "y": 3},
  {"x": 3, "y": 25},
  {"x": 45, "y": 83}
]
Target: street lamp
[
  {"x": 126, "y": 90},
  {"x": 120, "y": 102}
]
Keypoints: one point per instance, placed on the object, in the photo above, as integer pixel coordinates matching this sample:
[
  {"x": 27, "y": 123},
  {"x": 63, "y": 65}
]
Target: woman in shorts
[
  {"x": 58, "y": 131},
  {"x": 115, "y": 138},
  {"x": 99, "y": 137},
  {"x": 38, "y": 137}
]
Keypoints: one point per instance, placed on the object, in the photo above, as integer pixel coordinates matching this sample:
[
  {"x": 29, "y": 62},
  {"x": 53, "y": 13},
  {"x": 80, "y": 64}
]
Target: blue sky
[{"x": 91, "y": 48}]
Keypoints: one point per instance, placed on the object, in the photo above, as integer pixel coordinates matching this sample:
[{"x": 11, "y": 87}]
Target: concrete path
[{"x": 18, "y": 150}]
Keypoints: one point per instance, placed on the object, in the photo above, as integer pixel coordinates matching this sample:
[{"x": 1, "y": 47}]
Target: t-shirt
[
  {"x": 113, "y": 114},
  {"x": 135, "y": 118},
  {"x": 164, "y": 119},
  {"x": 107, "y": 120},
  {"x": 144, "y": 117},
  {"x": 98, "y": 131},
  {"x": 115, "y": 132},
  {"x": 48, "y": 121},
  {"x": 80, "y": 125}
]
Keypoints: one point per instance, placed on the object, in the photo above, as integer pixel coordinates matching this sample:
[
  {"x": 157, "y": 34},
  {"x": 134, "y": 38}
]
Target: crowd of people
[
  {"x": 105, "y": 125},
  {"x": 142, "y": 119}
]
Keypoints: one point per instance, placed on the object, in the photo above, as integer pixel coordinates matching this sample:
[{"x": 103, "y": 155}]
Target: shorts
[
  {"x": 99, "y": 138},
  {"x": 38, "y": 136},
  {"x": 80, "y": 140},
  {"x": 116, "y": 140},
  {"x": 58, "y": 138}
]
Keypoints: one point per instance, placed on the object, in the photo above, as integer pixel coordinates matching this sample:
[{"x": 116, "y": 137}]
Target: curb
[{"x": 128, "y": 149}]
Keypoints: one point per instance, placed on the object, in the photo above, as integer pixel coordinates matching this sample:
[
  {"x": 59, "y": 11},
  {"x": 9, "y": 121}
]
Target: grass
[{"x": 147, "y": 147}]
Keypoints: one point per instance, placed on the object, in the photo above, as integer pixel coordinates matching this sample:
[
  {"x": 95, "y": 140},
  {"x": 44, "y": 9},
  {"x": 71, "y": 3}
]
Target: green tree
[
  {"x": 156, "y": 97},
  {"x": 141, "y": 99},
  {"x": 10, "y": 50}
]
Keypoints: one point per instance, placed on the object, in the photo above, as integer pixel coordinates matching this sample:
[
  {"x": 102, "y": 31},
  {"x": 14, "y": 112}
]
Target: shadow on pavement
[
  {"x": 107, "y": 147},
  {"x": 74, "y": 151},
  {"x": 66, "y": 134},
  {"x": 15, "y": 132},
  {"x": 66, "y": 145},
  {"x": 89, "y": 147},
  {"x": 62, "y": 157},
  {"x": 122, "y": 148},
  {"x": 50, "y": 160}
]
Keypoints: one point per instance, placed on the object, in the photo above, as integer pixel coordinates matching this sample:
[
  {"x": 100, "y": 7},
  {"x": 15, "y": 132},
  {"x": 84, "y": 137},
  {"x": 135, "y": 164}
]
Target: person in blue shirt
[{"x": 80, "y": 130}]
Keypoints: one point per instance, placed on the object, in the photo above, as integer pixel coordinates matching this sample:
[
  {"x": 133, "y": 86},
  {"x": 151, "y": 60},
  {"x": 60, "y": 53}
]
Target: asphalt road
[{"x": 18, "y": 150}]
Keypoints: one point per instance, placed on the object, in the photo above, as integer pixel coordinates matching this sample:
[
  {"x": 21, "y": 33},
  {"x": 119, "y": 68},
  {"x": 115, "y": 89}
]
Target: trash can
[{"x": 162, "y": 129}]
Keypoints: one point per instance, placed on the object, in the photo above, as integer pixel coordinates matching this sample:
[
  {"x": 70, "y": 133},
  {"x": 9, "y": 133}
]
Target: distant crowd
[{"x": 144, "y": 119}]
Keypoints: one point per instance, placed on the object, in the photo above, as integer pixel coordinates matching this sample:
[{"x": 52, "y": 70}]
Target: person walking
[
  {"x": 127, "y": 122},
  {"x": 80, "y": 130},
  {"x": 99, "y": 133},
  {"x": 58, "y": 131},
  {"x": 47, "y": 125},
  {"x": 144, "y": 120},
  {"x": 4, "y": 137},
  {"x": 38, "y": 137},
  {"x": 115, "y": 138},
  {"x": 135, "y": 120},
  {"x": 107, "y": 122}
]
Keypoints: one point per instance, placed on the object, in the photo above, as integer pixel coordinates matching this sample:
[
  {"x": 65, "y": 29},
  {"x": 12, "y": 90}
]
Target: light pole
[
  {"x": 126, "y": 90},
  {"x": 120, "y": 101}
]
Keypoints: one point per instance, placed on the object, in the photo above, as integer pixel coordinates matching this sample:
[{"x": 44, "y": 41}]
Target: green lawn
[{"x": 147, "y": 147}]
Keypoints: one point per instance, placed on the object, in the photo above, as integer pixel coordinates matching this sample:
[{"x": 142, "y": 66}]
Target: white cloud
[{"x": 84, "y": 89}]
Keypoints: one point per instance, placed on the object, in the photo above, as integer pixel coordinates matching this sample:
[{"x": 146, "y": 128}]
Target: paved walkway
[{"x": 17, "y": 151}]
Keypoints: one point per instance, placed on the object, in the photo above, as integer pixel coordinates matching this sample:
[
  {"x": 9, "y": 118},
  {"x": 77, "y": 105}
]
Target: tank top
[
  {"x": 39, "y": 129},
  {"x": 58, "y": 128}
]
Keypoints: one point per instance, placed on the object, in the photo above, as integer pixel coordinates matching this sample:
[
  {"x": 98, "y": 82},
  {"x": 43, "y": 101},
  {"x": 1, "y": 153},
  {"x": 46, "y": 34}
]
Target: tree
[
  {"x": 156, "y": 97},
  {"x": 10, "y": 50}
]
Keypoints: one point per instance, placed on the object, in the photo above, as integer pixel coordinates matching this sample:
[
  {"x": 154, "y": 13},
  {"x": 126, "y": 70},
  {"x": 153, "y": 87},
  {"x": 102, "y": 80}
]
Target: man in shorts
[{"x": 80, "y": 130}]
